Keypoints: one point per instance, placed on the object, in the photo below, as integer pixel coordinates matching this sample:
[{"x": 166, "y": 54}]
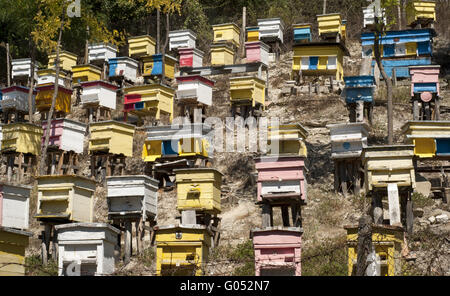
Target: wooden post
[
  {"x": 10, "y": 161},
  {"x": 336, "y": 176},
  {"x": 54, "y": 244},
  {"x": 343, "y": 178},
  {"x": 20, "y": 168},
  {"x": 46, "y": 243},
  {"x": 188, "y": 217},
  {"x": 416, "y": 109},
  {"x": 394, "y": 77},
  {"x": 360, "y": 111},
  {"x": 377, "y": 208},
  {"x": 296, "y": 215},
  {"x": 138, "y": 236},
  {"x": 93, "y": 166},
  {"x": 409, "y": 214},
  {"x": 364, "y": 244},
  {"x": 394, "y": 204},
  {"x": 437, "y": 109},
  {"x": 266, "y": 215},
  {"x": 324, "y": 6},
  {"x": 244, "y": 25},
  {"x": 285, "y": 216},
  {"x": 357, "y": 184},
  {"x": 8, "y": 65},
  {"x": 128, "y": 241}
]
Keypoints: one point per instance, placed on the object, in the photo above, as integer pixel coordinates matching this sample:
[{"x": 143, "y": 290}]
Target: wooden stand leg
[
  {"x": 437, "y": 109},
  {"x": 93, "y": 167},
  {"x": 10, "y": 169},
  {"x": 46, "y": 243},
  {"x": 336, "y": 176},
  {"x": 357, "y": 183},
  {"x": 266, "y": 215},
  {"x": 409, "y": 214},
  {"x": 285, "y": 216},
  {"x": 343, "y": 178},
  {"x": 54, "y": 244},
  {"x": 377, "y": 206},
  {"x": 138, "y": 237},
  {"x": 296, "y": 215},
  {"x": 20, "y": 168},
  {"x": 128, "y": 241}
]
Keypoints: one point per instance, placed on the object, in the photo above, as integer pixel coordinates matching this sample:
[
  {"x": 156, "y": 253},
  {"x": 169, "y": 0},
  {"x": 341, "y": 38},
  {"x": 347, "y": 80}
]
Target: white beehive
[
  {"x": 348, "y": 139},
  {"x": 89, "y": 245},
  {"x": 123, "y": 66},
  {"x": 132, "y": 197},
  {"x": 369, "y": 15},
  {"x": 16, "y": 97},
  {"x": 101, "y": 52},
  {"x": 271, "y": 29},
  {"x": 22, "y": 68},
  {"x": 14, "y": 206},
  {"x": 66, "y": 134},
  {"x": 181, "y": 39},
  {"x": 99, "y": 93},
  {"x": 196, "y": 88},
  {"x": 47, "y": 76}
]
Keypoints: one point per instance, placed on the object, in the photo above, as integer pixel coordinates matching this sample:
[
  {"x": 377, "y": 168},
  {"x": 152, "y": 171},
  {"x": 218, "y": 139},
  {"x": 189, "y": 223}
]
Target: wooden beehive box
[
  {"x": 430, "y": 138},
  {"x": 221, "y": 54},
  {"x": 318, "y": 59},
  {"x": 123, "y": 67},
  {"x": 182, "y": 250},
  {"x": 191, "y": 57},
  {"x": 132, "y": 197},
  {"x": 271, "y": 29},
  {"x": 388, "y": 164},
  {"x": 16, "y": 98},
  {"x": 359, "y": 88},
  {"x": 22, "y": 68},
  {"x": 388, "y": 242},
  {"x": 182, "y": 39},
  {"x": 44, "y": 97},
  {"x": 247, "y": 90},
  {"x": 67, "y": 60},
  {"x": 252, "y": 34},
  {"x": 422, "y": 11},
  {"x": 99, "y": 93},
  {"x": 287, "y": 139},
  {"x": 112, "y": 137},
  {"x": 425, "y": 79},
  {"x": 153, "y": 65},
  {"x": 140, "y": 46},
  {"x": 281, "y": 179},
  {"x": 369, "y": 16},
  {"x": 188, "y": 140},
  {"x": 67, "y": 198},
  {"x": 65, "y": 134},
  {"x": 149, "y": 100},
  {"x": 348, "y": 139},
  {"x": 257, "y": 52},
  {"x": 302, "y": 32},
  {"x": 101, "y": 53},
  {"x": 229, "y": 33},
  {"x": 344, "y": 29},
  {"x": 14, "y": 206},
  {"x": 22, "y": 138},
  {"x": 277, "y": 251},
  {"x": 329, "y": 24},
  {"x": 47, "y": 76},
  {"x": 82, "y": 73},
  {"x": 13, "y": 244},
  {"x": 199, "y": 189},
  {"x": 92, "y": 245},
  {"x": 195, "y": 89}
]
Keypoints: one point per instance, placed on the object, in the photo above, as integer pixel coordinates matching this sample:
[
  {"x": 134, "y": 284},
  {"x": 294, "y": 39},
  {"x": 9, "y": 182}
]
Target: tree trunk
[
  {"x": 244, "y": 25},
  {"x": 364, "y": 244},
  {"x": 86, "y": 52},
  {"x": 8, "y": 65},
  {"x": 163, "y": 51},
  {"x": 52, "y": 107},
  {"x": 158, "y": 31},
  {"x": 324, "y": 6},
  {"x": 31, "y": 82}
]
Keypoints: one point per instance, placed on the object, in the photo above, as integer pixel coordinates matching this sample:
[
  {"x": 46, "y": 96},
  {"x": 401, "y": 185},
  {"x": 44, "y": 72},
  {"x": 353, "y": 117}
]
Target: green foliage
[
  {"x": 148, "y": 257},
  {"x": 34, "y": 267},
  {"x": 421, "y": 201},
  {"x": 326, "y": 211},
  {"x": 197, "y": 21},
  {"x": 327, "y": 258},
  {"x": 244, "y": 253}
]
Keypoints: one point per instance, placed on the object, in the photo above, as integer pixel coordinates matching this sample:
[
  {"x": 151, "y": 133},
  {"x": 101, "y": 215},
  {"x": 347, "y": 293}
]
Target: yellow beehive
[
  {"x": 221, "y": 54},
  {"x": 84, "y": 73},
  {"x": 229, "y": 32},
  {"x": 252, "y": 34},
  {"x": 329, "y": 24},
  {"x": 22, "y": 138},
  {"x": 388, "y": 243},
  {"x": 247, "y": 91},
  {"x": 112, "y": 137},
  {"x": 430, "y": 138},
  {"x": 44, "y": 98},
  {"x": 315, "y": 59},
  {"x": 288, "y": 138},
  {"x": 66, "y": 198},
  {"x": 421, "y": 10},
  {"x": 141, "y": 46},
  {"x": 388, "y": 164},
  {"x": 67, "y": 60},
  {"x": 154, "y": 100},
  {"x": 153, "y": 66},
  {"x": 13, "y": 244},
  {"x": 344, "y": 29},
  {"x": 182, "y": 250},
  {"x": 199, "y": 189}
]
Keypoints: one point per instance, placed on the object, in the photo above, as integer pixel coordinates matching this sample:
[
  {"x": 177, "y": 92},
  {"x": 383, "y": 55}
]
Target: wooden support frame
[
  {"x": 13, "y": 116},
  {"x": 96, "y": 113},
  {"x": 348, "y": 176},
  {"x": 212, "y": 222},
  {"x": 293, "y": 220},
  {"x": 426, "y": 110},
  {"x": 246, "y": 110},
  {"x": 361, "y": 112},
  {"x": 49, "y": 242},
  {"x": 61, "y": 162},
  {"x": 106, "y": 165},
  {"x": 19, "y": 165}
]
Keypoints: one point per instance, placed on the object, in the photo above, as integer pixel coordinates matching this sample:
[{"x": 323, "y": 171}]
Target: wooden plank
[
  {"x": 188, "y": 217},
  {"x": 377, "y": 207},
  {"x": 409, "y": 215},
  {"x": 394, "y": 204},
  {"x": 285, "y": 216},
  {"x": 266, "y": 215},
  {"x": 128, "y": 241}
]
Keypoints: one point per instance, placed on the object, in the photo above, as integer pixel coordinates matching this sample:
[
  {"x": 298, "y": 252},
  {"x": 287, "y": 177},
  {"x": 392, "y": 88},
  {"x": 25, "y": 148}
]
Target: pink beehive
[
  {"x": 191, "y": 57},
  {"x": 277, "y": 251},
  {"x": 257, "y": 52},
  {"x": 281, "y": 178},
  {"x": 424, "y": 79},
  {"x": 65, "y": 134}
]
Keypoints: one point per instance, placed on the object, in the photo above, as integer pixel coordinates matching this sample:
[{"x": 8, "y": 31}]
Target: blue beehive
[
  {"x": 302, "y": 32},
  {"x": 359, "y": 88},
  {"x": 443, "y": 147}
]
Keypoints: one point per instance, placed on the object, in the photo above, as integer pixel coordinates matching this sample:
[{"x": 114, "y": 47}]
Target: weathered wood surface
[
  {"x": 394, "y": 205},
  {"x": 364, "y": 244}
]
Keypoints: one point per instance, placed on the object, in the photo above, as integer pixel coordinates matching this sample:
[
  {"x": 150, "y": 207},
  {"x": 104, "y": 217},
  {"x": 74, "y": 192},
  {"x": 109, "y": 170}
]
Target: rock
[
  {"x": 432, "y": 219},
  {"x": 418, "y": 212},
  {"x": 424, "y": 188},
  {"x": 442, "y": 218}
]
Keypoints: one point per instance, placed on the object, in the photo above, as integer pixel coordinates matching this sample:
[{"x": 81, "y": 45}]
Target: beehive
[
  {"x": 199, "y": 189},
  {"x": 344, "y": 29},
  {"x": 302, "y": 32},
  {"x": 424, "y": 79},
  {"x": 153, "y": 65},
  {"x": 149, "y": 99},
  {"x": 287, "y": 139},
  {"x": 82, "y": 73},
  {"x": 421, "y": 11},
  {"x": 359, "y": 88},
  {"x": 182, "y": 250},
  {"x": 388, "y": 243},
  {"x": 281, "y": 179},
  {"x": 47, "y": 76},
  {"x": 22, "y": 138},
  {"x": 67, "y": 60},
  {"x": 430, "y": 138},
  {"x": 132, "y": 197},
  {"x": 369, "y": 16},
  {"x": 101, "y": 52},
  {"x": 44, "y": 98},
  {"x": 348, "y": 139},
  {"x": 191, "y": 57},
  {"x": 13, "y": 244},
  {"x": 271, "y": 29},
  {"x": 221, "y": 54},
  {"x": 388, "y": 164},
  {"x": 65, "y": 134},
  {"x": 14, "y": 206},
  {"x": 257, "y": 52},
  {"x": 182, "y": 39},
  {"x": 91, "y": 245},
  {"x": 247, "y": 90},
  {"x": 125, "y": 67},
  {"x": 277, "y": 251},
  {"x": 66, "y": 198},
  {"x": 99, "y": 93},
  {"x": 329, "y": 24},
  {"x": 22, "y": 68},
  {"x": 229, "y": 32},
  {"x": 195, "y": 88},
  {"x": 16, "y": 98},
  {"x": 316, "y": 59},
  {"x": 141, "y": 46},
  {"x": 112, "y": 137},
  {"x": 189, "y": 140},
  {"x": 252, "y": 34}
]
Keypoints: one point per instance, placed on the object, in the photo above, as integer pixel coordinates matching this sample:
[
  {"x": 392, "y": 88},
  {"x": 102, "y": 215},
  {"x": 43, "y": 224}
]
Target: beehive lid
[
  {"x": 329, "y": 14},
  {"x": 113, "y": 122},
  {"x": 16, "y": 88},
  {"x": 148, "y": 86},
  {"x": 297, "y": 230},
  {"x": 189, "y": 78},
  {"x": 74, "y": 177},
  {"x": 260, "y": 43},
  {"x": 301, "y": 25},
  {"x": 73, "y": 226},
  {"x": 226, "y": 24},
  {"x": 51, "y": 86},
  {"x": 441, "y": 129},
  {"x": 274, "y": 158},
  {"x": 64, "y": 53},
  {"x": 128, "y": 59},
  {"x": 87, "y": 65},
  {"x": 339, "y": 126},
  {"x": 98, "y": 83},
  {"x": 248, "y": 78},
  {"x": 176, "y": 32},
  {"x": 254, "y": 28},
  {"x": 283, "y": 129},
  {"x": 141, "y": 36},
  {"x": 134, "y": 178},
  {"x": 188, "y": 50},
  {"x": 222, "y": 45},
  {"x": 108, "y": 45},
  {"x": 270, "y": 20},
  {"x": 16, "y": 231},
  {"x": 16, "y": 185},
  {"x": 324, "y": 44},
  {"x": 387, "y": 151},
  {"x": 175, "y": 132},
  {"x": 419, "y": 67},
  {"x": 80, "y": 124},
  {"x": 158, "y": 57},
  {"x": 199, "y": 170}
]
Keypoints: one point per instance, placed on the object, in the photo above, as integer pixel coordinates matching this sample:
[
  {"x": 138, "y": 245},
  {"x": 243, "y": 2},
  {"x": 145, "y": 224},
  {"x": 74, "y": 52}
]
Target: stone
[
  {"x": 432, "y": 219},
  {"x": 424, "y": 188},
  {"x": 418, "y": 212},
  {"x": 442, "y": 218}
]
